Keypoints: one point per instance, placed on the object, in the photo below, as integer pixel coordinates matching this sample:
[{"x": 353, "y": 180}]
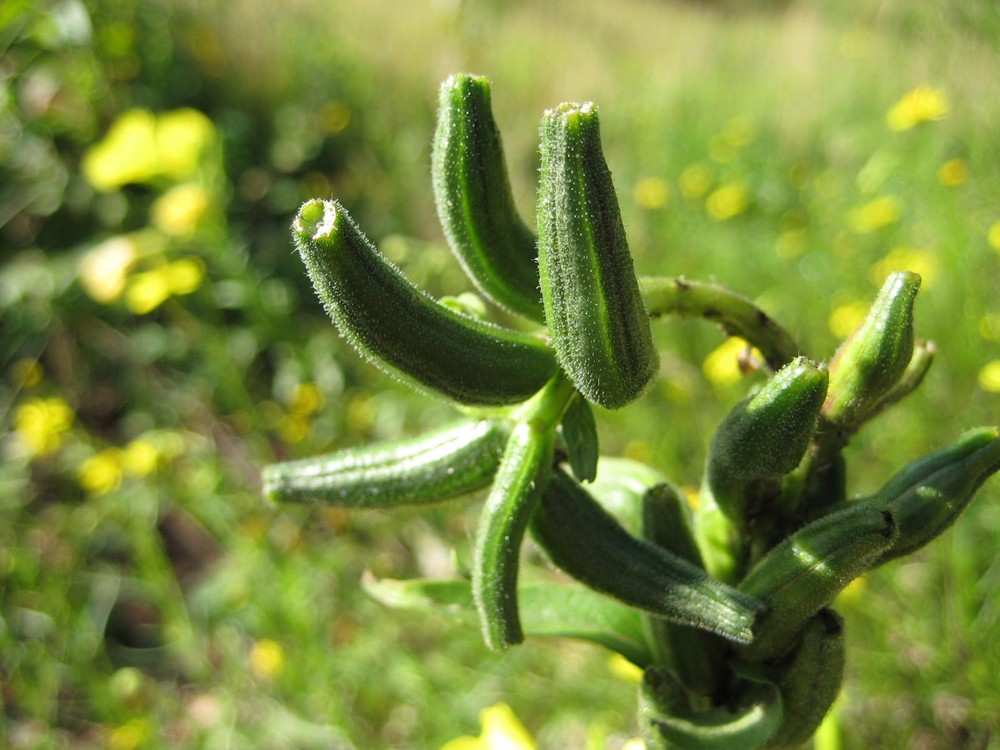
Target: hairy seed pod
[
  {"x": 440, "y": 465},
  {"x": 474, "y": 200},
  {"x": 523, "y": 475},
  {"x": 809, "y": 680},
  {"x": 594, "y": 312},
  {"x": 764, "y": 438},
  {"x": 587, "y": 543},
  {"x": 808, "y": 569},
  {"x": 403, "y": 330},
  {"x": 874, "y": 357},
  {"x": 928, "y": 495}
]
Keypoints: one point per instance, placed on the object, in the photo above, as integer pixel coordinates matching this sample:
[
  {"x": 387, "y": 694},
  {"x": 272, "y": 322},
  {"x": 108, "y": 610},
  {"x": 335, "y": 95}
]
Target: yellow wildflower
[
  {"x": 623, "y": 669},
  {"x": 133, "y": 734},
  {"x": 126, "y": 154},
  {"x": 875, "y": 215},
  {"x": 104, "y": 270},
  {"x": 180, "y": 210},
  {"x": 989, "y": 376},
  {"x": 695, "y": 181},
  {"x": 185, "y": 276},
  {"x": 103, "y": 472},
  {"x": 40, "y": 424},
  {"x": 922, "y": 104},
  {"x": 953, "y": 173},
  {"x": 502, "y": 730},
  {"x": 652, "y": 193},
  {"x": 722, "y": 365},
  {"x": 307, "y": 399},
  {"x": 182, "y": 138},
  {"x": 846, "y": 317},
  {"x": 139, "y": 458},
  {"x": 150, "y": 289},
  {"x": 905, "y": 259},
  {"x": 728, "y": 201},
  {"x": 267, "y": 659},
  {"x": 993, "y": 236}
]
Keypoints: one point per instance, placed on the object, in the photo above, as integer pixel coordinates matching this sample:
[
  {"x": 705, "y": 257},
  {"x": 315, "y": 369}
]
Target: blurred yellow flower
[
  {"x": 103, "y": 472},
  {"x": 989, "y": 376},
  {"x": 140, "y": 146},
  {"x": 624, "y": 670},
  {"x": 953, "y": 173},
  {"x": 846, "y": 317},
  {"x": 267, "y": 659},
  {"x": 139, "y": 458},
  {"x": 922, "y": 104},
  {"x": 652, "y": 193},
  {"x": 40, "y": 424},
  {"x": 875, "y": 214},
  {"x": 502, "y": 730},
  {"x": 722, "y": 365},
  {"x": 791, "y": 243},
  {"x": 993, "y": 236},
  {"x": 695, "y": 181},
  {"x": 180, "y": 210},
  {"x": 131, "y": 735},
  {"x": 728, "y": 201},
  {"x": 185, "y": 276},
  {"x": 104, "y": 270},
  {"x": 150, "y": 289},
  {"x": 905, "y": 259},
  {"x": 307, "y": 399}
]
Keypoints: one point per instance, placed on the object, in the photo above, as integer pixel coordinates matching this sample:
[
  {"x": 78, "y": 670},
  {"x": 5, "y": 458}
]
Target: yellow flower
[
  {"x": 728, "y": 201},
  {"x": 922, "y": 104},
  {"x": 905, "y": 259},
  {"x": 180, "y": 210},
  {"x": 150, "y": 289},
  {"x": 102, "y": 473},
  {"x": 307, "y": 399},
  {"x": 695, "y": 181},
  {"x": 846, "y": 317},
  {"x": 722, "y": 365},
  {"x": 652, "y": 193},
  {"x": 185, "y": 276},
  {"x": 875, "y": 215},
  {"x": 993, "y": 236},
  {"x": 40, "y": 424},
  {"x": 139, "y": 458},
  {"x": 989, "y": 376},
  {"x": 953, "y": 173},
  {"x": 624, "y": 670},
  {"x": 502, "y": 730},
  {"x": 104, "y": 270},
  {"x": 182, "y": 138},
  {"x": 267, "y": 659}
]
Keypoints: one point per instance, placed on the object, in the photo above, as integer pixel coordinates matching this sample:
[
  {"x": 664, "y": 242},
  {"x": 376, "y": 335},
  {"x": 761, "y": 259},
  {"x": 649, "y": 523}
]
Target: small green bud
[
  {"x": 474, "y": 199},
  {"x": 594, "y": 312},
  {"x": 874, "y": 357},
  {"x": 928, "y": 495},
  {"x": 405, "y": 332}
]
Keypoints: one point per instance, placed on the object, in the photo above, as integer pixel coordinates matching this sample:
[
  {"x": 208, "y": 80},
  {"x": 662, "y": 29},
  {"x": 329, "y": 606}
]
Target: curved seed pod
[
  {"x": 594, "y": 312},
  {"x": 764, "y": 438},
  {"x": 874, "y": 357},
  {"x": 587, "y": 543},
  {"x": 440, "y": 465},
  {"x": 807, "y": 570},
  {"x": 523, "y": 474},
  {"x": 474, "y": 201},
  {"x": 403, "y": 330},
  {"x": 928, "y": 495},
  {"x": 810, "y": 680}
]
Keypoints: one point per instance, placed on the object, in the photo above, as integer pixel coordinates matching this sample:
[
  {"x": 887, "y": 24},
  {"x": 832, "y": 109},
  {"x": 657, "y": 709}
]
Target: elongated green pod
[
  {"x": 403, "y": 330},
  {"x": 764, "y": 438},
  {"x": 523, "y": 475},
  {"x": 587, "y": 543},
  {"x": 441, "y": 465},
  {"x": 808, "y": 569},
  {"x": 809, "y": 680},
  {"x": 474, "y": 201},
  {"x": 873, "y": 358},
  {"x": 928, "y": 495},
  {"x": 594, "y": 312}
]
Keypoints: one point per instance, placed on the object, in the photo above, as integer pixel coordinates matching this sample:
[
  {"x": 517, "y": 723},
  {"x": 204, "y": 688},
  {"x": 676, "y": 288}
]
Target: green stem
[{"x": 738, "y": 316}]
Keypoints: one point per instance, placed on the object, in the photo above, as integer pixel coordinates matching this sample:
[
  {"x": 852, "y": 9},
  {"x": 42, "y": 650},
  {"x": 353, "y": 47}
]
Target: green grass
[{"x": 128, "y": 618}]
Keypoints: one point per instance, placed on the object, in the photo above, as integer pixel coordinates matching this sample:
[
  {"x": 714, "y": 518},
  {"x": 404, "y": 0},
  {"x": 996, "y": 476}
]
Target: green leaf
[{"x": 580, "y": 433}]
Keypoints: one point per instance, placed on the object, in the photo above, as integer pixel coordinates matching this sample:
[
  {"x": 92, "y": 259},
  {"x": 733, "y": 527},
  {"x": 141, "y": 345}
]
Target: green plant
[{"x": 725, "y": 604}]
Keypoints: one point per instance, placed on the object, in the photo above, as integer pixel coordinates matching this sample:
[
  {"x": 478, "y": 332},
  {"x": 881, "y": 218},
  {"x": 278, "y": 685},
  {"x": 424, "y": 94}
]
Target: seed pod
[
  {"x": 441, "y": 465},
  {"x": 809, "y": 680},
  {"x": 587, "y": 543},
  {"x": 403, "y": 330},
  {"x": 874, "y": 357},
  {"x": 474, "y": 200},
  {"x": 523, "y": 474},
  {"x": 594, "y": 312},
  {"x": 807, "y": 570},
  {"x": 929, "y": 494},
  {"x": 764, "y": 438}
]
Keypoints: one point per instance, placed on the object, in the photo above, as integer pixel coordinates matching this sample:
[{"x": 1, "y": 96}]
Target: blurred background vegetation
[{"x": 161, "y": 343}]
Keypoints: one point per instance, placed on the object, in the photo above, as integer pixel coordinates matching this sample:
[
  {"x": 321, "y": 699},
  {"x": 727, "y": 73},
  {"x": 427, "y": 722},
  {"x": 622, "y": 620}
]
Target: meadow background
[{"x": 161, "y": 342}]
